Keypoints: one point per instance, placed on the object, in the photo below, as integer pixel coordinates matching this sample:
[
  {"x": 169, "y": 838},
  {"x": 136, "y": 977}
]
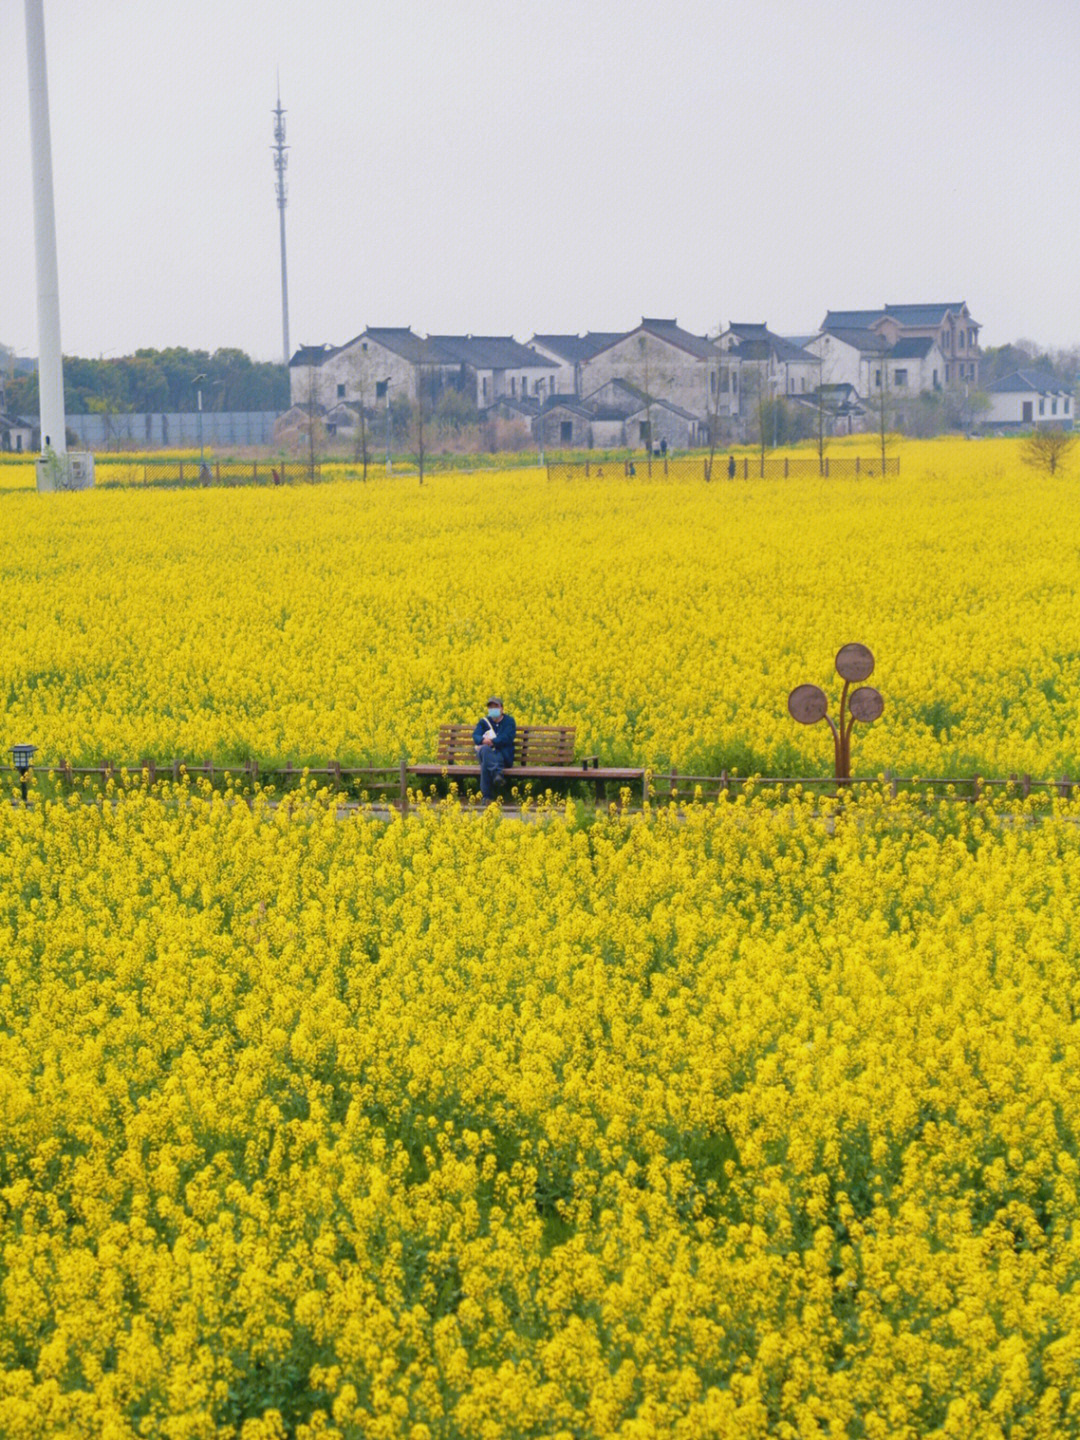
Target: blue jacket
[{"x": 505, "y": 729}]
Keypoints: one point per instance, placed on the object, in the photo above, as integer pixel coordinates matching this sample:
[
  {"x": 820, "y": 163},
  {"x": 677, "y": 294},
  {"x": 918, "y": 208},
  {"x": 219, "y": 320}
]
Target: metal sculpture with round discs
[{"x": 808, "y": 704}]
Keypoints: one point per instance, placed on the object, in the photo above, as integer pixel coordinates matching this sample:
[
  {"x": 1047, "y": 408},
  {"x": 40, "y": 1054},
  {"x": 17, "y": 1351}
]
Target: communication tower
[{"x": 281, "y": 161}]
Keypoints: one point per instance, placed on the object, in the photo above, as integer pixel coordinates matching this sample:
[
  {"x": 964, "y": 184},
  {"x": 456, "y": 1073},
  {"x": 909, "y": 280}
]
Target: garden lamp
[{"x": 22, "y": 757}]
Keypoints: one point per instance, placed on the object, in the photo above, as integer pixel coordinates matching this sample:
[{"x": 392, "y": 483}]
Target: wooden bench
[{"x": 541, "y": 752}]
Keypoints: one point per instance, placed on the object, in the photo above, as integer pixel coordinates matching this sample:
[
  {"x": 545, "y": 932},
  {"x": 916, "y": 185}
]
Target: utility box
[{"x": 73, "y": 471}]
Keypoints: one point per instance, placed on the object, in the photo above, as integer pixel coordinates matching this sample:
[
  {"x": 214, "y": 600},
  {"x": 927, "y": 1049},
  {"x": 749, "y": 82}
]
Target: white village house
[
  {"x": 384, "y": 362},
  {"x": 1029, "y": 398}
]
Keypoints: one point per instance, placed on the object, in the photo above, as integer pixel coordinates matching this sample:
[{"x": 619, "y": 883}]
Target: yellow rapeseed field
[
  {"x": 667, "y": 620},
  {"x": 755, "y": 1120},
  {"x": 747, "y": 1119}
]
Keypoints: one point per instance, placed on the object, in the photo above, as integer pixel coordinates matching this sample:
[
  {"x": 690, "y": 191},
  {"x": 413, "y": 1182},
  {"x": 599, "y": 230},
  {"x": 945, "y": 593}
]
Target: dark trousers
[{"x": 491, "y": 770}]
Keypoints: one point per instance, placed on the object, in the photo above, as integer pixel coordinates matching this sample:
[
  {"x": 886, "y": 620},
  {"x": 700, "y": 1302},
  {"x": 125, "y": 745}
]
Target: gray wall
[{"x": 174, "y": 431}]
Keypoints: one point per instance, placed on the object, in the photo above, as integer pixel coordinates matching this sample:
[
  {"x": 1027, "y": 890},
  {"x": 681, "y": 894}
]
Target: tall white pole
[{"x": 50, "y": 362}]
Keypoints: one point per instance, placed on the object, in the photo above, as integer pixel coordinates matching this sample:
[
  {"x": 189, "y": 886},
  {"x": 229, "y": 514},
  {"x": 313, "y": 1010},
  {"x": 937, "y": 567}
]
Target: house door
[
  {"x": 566, "y": 432},
  {"x": 644, "y": 433},
  {"x": 1028, "y": 417}
]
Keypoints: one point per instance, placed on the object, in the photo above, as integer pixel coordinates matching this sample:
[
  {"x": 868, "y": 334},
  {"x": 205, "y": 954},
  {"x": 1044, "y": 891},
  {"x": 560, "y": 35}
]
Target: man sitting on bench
[{"x": 494, "y": 741}]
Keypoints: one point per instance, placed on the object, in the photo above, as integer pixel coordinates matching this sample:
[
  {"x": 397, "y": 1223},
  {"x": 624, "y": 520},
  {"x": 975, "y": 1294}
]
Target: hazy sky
[{"x": 562, "y": 165}]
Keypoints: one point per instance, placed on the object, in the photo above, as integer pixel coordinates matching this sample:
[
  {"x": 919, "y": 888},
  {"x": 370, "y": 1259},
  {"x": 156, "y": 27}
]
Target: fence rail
[
  {"x": 173, "y": 472},
  {"x": 392, "y": 782},
  {"x": 696, "y": 467}
]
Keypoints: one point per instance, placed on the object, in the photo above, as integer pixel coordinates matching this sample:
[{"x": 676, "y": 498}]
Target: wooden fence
[
  {"x": 391, "y": 783},
  {"x": 747, "y": 467},
  {"x": 212, "y": 472}
]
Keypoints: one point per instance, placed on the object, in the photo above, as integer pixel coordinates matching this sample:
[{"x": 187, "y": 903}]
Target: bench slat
[{"x": 548, "y": 745}]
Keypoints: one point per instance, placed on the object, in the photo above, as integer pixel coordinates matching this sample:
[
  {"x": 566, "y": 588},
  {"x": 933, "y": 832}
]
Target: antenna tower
[{"x": 281, "y": 161}]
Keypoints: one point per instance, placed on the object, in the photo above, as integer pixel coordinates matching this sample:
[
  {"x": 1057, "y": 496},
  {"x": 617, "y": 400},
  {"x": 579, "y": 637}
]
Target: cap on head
[{"x": 494, "y": 700}]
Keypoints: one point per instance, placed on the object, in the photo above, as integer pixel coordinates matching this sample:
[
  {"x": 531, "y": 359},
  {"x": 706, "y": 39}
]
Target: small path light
[
  {"x": 22, "y": 757},
  {"x": 808, "y": 703}
]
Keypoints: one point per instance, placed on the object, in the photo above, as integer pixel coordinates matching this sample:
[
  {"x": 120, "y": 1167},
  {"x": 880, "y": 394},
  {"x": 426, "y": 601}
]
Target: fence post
[
  {"x": 665, "y": 467},
  {"x": 404, "y": 777},
  {"x": 746, "y": 467},
  {"x": 785, "y": 467},
  {"x": 586, "y": 469},
  {"x": 856, "y": 464},
  {"x": 975, "y": 788},
  {"x": 217, "y": 471},
  {"x": 826, "y": 467},
  {"x": 1027, "y": 786},
  {"x": 181, "y": 472}
]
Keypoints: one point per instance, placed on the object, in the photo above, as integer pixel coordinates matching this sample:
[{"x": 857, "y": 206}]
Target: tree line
[{"x": 159, "y": 381}]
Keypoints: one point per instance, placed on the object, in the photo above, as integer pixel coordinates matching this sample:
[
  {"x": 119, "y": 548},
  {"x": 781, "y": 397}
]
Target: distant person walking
[{"x": 494, "y": 741}]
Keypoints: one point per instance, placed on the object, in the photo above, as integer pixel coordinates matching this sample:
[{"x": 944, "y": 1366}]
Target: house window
[
  {"x": 960, "y": 339},
  {"x": 1066, "y": 406},
  {"x": 1053, "y": 407},
  {"x": 1026, "y": 404},
  {"x": 566, "y": 432},
  {"x": 899, "y": 377},
  {"x": 483, "y": 387},
  {"x": 363, "y": 344},
  {"x": 381, "y": 387},
  {"x": 802, "y": 384},
  {"x": 936, "y": 381},
  {"x": 1042, "y": 407},
  {"x": 712, "y": 383},
  {"x": 341, "y": 392},
  {"x": 877, "y": 379},
  {"x": 644, "y": 433}
]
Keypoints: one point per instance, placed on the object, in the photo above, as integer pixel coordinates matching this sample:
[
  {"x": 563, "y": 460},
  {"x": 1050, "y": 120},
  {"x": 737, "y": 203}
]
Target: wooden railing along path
[{"x": 391, "y": 783}]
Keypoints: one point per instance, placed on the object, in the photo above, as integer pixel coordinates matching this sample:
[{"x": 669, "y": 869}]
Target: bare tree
[
  {"x": 419, "y": 416},
  {"x": 313, "y": 421},
  {"x": 643, "y": 346},
  {"x": 361, "y": 439},
  {"x": 713, "y": 378},
  {"x": 1047, "y": 450},
  {"x": 880, "y": 403}
]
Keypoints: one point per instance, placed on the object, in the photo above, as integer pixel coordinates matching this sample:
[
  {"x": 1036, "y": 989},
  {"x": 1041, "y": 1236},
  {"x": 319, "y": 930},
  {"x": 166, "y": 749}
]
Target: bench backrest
[{"x": 533, "y": 745}]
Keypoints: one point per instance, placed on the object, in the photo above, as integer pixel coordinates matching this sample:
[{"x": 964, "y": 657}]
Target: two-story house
[
  {"x": 661, "y": 359},
  {"x": 949, "y": 325}
]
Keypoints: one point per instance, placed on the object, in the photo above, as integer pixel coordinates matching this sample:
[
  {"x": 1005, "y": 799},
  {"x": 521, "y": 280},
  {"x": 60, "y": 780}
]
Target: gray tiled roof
[
  {"x": 920, "y": 316},
  {"x": 851, "y": 319},
  {"x": 670, "y": 332},
  {"x": 911, "y": 347},
  {"x": 1042, "y": 382},
  {"x": 400, "y": 340},
  {"x": 312, "y": 354},
  {"x": 575, "y": 347},
  {"x": 867, "y": 341},
  {"x": 757, "y": 342},
  {"x": 924, "y": 315},
  {"x": 489, "y": 352}
]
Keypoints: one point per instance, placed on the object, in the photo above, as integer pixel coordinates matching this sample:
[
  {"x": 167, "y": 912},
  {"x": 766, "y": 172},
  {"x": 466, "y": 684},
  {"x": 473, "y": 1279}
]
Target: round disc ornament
[
  {"x": 807, "y": 704},
  {"x": 865, "y": 704},
  {"x": 854, "y": 662}
]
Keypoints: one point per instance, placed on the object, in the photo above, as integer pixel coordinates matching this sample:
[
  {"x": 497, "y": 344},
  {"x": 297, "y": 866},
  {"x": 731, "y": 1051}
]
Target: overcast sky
[{"x": 554, "y": 166}]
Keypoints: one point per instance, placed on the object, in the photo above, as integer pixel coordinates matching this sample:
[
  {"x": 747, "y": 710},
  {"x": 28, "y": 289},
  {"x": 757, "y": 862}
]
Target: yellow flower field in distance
[
  {"x": 666, "y": 619},
  {"x": 747, "y": 1121}
]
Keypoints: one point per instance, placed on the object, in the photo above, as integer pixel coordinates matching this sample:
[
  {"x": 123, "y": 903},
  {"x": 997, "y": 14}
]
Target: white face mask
[{"x": 494, "y": 713}]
